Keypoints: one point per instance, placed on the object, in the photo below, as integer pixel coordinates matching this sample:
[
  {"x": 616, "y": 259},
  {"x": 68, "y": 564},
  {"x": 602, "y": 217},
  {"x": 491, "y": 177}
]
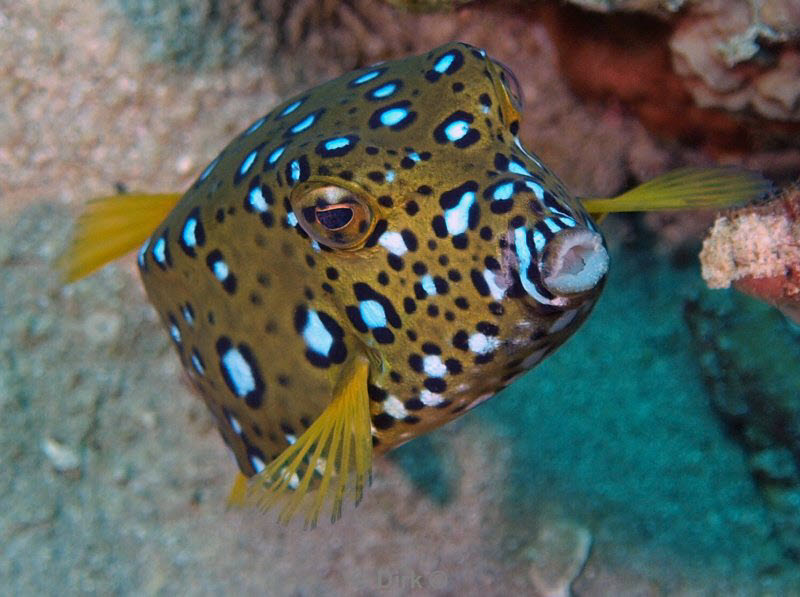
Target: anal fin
[
  {"x": 112, "y": 226},
  {"x": 335, "y": 452}
]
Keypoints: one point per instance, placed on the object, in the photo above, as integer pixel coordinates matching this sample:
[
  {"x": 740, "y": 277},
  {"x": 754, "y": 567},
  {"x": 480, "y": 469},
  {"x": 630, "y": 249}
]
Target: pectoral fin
[
  {"x": 334, "y": 453},
  {"x": 686, "y": 188}
]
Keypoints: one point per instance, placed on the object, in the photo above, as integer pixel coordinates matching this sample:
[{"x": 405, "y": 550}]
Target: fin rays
[{"x": 341, "y": 439}]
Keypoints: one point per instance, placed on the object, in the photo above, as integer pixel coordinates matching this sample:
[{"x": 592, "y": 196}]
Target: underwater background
[{"x": 656, "y": 453}]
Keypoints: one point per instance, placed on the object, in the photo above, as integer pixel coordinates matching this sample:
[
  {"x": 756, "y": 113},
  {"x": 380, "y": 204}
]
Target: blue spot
[
  {"x": 239, "y": 372},
  {"x": 159, "y": 251},
  {"x": 291, "y": 107},
  {"x": 209, "y": 168},
  {"x": 143, "y": 252},
  {"x": 444, "y": 63},
  {"x": 188, "y": 234},
  {"x": 503, "y": 192},
  {"x": 303, "y": 124},
  {"x": 188, "y": 314},
  {"x": 390, "y": 176},
  {"x": 221, "y": 270},
  {"x": 248, "y": 162},
  {"x": 384, "y": 91},
  {"x": 316, "y": 335},
  {"x": 414, "y": 156},
  {"x": 428, "y": 284},
  {"x": 337, "y": 143},
  {"x": 367, "y": 77},
  {"x": 373, "y": 314},
  {"x": 197, "y": 363},
  {"x": 256, "y": 125},
  {"x": 295, "y": 166},
  {"x": 517, "y": 168},
  {"x": 175, "y": 332},
  {"x": 276, "y": 154},
  {"x": 537, "y": 189},
  {"x": 291, "y": 219},
  {"x": 393, "y": 116}
]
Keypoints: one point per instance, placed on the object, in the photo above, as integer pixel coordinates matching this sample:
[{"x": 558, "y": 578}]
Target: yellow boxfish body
[{"x": 368, "y": 261}]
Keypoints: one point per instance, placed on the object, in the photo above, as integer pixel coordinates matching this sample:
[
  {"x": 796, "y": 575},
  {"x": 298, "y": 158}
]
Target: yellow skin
[{"x": 367, "y": 262}]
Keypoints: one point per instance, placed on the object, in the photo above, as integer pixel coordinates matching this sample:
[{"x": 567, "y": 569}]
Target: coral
[
  {"x": 558, "y": 556},
  {"x": 758, "y": 250},
  {"x": 753, "y": 390}
]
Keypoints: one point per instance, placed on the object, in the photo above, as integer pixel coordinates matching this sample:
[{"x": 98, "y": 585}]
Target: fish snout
[{"x": 573, "y": 262}]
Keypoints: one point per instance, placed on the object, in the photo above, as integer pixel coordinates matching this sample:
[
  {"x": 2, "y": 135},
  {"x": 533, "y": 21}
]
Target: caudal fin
[
  {"x": 110, "y": 227},
  {"x": 686, "y": 188}
]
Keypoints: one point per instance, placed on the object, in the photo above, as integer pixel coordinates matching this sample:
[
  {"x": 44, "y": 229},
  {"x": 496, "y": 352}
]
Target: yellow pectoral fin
[
  {"x": 336, "y": 452},
  {"x": 110, "y": 227},
  {"x": 238, "y": 491},
  {"x": 686, "y": 188}
]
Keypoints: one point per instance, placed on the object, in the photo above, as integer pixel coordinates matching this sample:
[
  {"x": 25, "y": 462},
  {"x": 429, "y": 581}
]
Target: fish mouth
[{"x": 566, "y": 270}]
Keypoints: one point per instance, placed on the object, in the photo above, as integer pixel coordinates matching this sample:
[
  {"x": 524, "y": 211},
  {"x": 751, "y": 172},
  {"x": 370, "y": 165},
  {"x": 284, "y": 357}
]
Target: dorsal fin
[{"x": 110, "y": 227}]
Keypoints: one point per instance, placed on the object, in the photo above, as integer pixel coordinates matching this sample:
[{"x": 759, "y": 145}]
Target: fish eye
[
  {"x": 510, "y": 85},
  {"x": 334, "y": 216}
]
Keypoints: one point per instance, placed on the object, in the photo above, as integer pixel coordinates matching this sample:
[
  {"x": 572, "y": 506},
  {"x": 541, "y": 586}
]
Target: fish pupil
[{"x": 335, "y": 217}]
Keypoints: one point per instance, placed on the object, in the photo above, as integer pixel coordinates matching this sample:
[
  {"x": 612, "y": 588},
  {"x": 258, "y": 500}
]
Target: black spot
[
  {"x": 213, "y": 261},
  {"x": 383, "y": 278},
  {"x": 480, "y": 284},
  {"x": 461, "y": 340},
  {"x": 500, "y": 162},
  {"x": 419, "y": 292},
  {"x": 412, "y": 335},
  {"x": 407, "y": 163},
  {"x": 411, "y": 207},
  {"x": 310, "y": 261},
  {"x": 364, "y": 292},
  {"x": 453, "y": 366},
  {"x": 219, "y": 216},
  {"x": 383, "y": 421},
  {"x": 433, "y": 311},
  {"x": 458, "y": 87},
  {"x": 482, "y": 359},
  {"x": 410, "y": 239},
  {"x": 371, "y": 150},
  {"x": 491, "y": 263},
  {"x": 424, "y": 190},
  {"x": 486, "y": 233},
  {"x": 419, "y": 268},
  {"x": 439, "y": 226},
  {"x": 431, "y": 348},
  {"x": 435, "y": 384},
  {"x": 376, "y": 176},
  {"x": 375, "y": 393},
  {"x": 409, "y": 305},
  {"x": 332, "y": 273},
  {"x": 395, "y": 376},
  {"x": 395, "y": 262},
  {"x": 496, "y": 308},
  {"x": 514, "y": 127},
  {"x": 462, "y": 303},
  {"x": 383, "y": 335},
  {"x": 484, "y": 327},
  {"x": 454, "y": 275},
  {"x": 415, "y": 362},
  {"x": 380, "y": 228},
  {"x": 385, "y": 201},
  {"x": 414, "y": 404},
  {"x": 354, "y": 315},
  {"x": 460, "y": 241}
]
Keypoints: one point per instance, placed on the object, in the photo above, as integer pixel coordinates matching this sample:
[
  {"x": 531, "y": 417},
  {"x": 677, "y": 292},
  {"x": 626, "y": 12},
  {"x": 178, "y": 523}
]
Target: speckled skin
[{"x": 447, "y": 208}]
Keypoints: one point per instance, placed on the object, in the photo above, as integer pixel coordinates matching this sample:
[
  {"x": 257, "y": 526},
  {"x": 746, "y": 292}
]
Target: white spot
[
  {"x": 304, "y": 124},
  {"x": 385, "y": 90},
  {"x": 315, "y": 246},
  {"x": 290, "y": 438},
  {"x": 257, "y": 464},
  {"x": 521, "y": 147},
  {"x": 563, "y": 321},
  {"x": 291, "y": 219},
  {"x": 524, "y": 256},
  {"x": 433, "y": 366},
  {"x": 373, "y": 314},
  {"x": 429, "y": 398},
  {"x": 159, "y": 250},
  {"x": 221, "y": 270},
  {"x": 539, "y": 240},
  {"x": 394, "y": 408},
  {"x": 536, "y": 188},
  {"x": 276, "y": 154},
  {"x": 295, "y": 170},
  {"x": 209, "y": 168},
  {"x": 239, "y": 372},
  {"x": 257, "y": 201},
  {"x": 428, "y": 284},
  {"x": 175, "y": 332},
  {"x": 456, "y": 130},
  {"x": 256, "y": 125},
  {"x": 187, "y": 315},
  {"x": 188, "y": 233},
  {"x": 482, "y": 344},
  {"x": 336, "y": 143},
  {"x": 366, "y": 77},
  {"x": 444, "y": 63},
  {"x": 517, "y": 168},
  {"x": 552, "y": 225},
  {"x": 197, "y": 364},
  {"x": 316, "y": 335},
  {"x": 534, "y": 358},
  {"x": 414, "y": 156},
  {"x": 498, "y": 293},
  {"x": 235, "y": 425},
  {"x": 393, "y": 242},
  {"x": 294, "y": 481},
  {"x": 457, "y": 218},
  {"x": 484, "y": 108},
  {"x": 480, "y": 400},
  {"x": 390, "y": 176},
  {"x": 291, "y": 107}
]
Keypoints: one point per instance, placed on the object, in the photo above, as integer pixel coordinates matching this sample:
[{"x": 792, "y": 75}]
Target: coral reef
[
  {"x": 757, "y": 249},
  {"x": 753, "y": 389}
]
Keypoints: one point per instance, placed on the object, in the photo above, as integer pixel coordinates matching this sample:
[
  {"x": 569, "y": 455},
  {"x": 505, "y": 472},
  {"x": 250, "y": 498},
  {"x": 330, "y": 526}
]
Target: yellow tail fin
[
  {"x": 341, "y": 439},
  {"x": 110, "y": 227},
  {"x": 686, "y": 188}
]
